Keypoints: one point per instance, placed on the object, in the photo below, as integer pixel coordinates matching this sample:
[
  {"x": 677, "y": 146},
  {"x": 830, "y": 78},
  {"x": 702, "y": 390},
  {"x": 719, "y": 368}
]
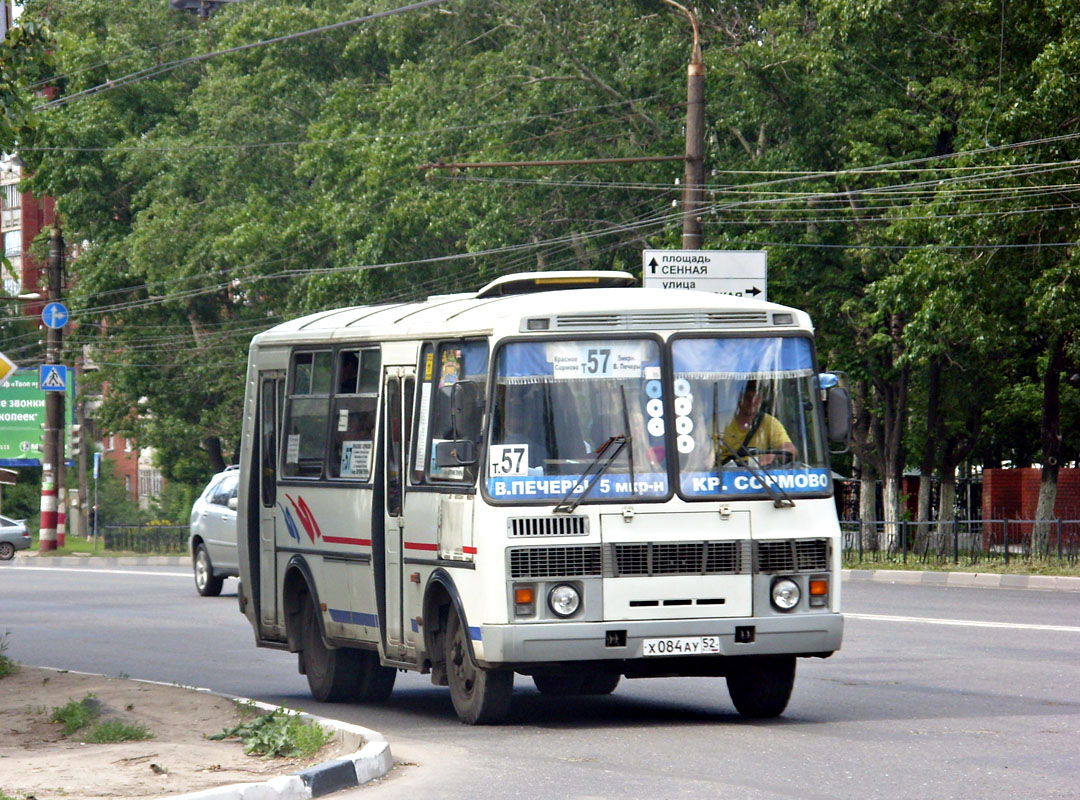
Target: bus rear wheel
[
  {"x": 761, "y": 687},
  {"x": 374, "y": 682},
  {"x": 331, "y": 673},
  {"x": 480, "y": 696}
]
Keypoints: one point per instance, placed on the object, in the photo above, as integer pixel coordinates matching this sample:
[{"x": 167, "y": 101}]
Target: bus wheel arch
[
  {"x": 298, "y": 583},
  {"x": 440, "y": 597}
]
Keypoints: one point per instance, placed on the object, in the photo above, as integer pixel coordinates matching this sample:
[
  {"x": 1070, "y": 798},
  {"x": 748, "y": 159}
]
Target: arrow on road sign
[
  {"x": 55, "y": 315},
  {"x": 753, "y": 291}
]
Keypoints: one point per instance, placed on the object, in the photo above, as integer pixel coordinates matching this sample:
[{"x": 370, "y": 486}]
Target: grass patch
[
  {"x": 113, "y": 730},
  {"x": 7, "y": 666},
  {"x": 280, "y": 734},
  {"x": 996, "y": 566},
  {"x": 75, "y": 715}
]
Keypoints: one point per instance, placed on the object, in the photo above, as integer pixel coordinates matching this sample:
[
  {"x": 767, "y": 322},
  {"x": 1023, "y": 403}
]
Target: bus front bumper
[{"x": 539, "y": 643}]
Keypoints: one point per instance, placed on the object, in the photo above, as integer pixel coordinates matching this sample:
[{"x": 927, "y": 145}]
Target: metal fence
[
  {"x": 966, "y": 541},
  {"x": 146, "y": 539}
]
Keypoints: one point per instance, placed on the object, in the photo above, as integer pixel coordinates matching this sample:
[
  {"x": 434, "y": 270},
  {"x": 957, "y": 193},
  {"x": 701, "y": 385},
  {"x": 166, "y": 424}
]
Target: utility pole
[
  {"x": 52, "y": 455},
  {"x": 694, "y": 183}
]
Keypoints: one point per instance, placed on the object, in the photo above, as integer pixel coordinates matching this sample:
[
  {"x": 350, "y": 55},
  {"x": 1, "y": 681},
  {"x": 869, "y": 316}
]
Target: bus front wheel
[
  {"x": 761, "y": 687},
  {"x": 480, "y": 696}
]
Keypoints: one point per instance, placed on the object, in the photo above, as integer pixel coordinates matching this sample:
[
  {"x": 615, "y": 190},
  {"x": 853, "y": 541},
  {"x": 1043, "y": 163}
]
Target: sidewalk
[{"x": 969, "y": 580}]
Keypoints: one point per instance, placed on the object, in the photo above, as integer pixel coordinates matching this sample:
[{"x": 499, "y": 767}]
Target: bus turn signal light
[
  {"x": 819, "y": 591},
  {"x": 524, "y": 601}
]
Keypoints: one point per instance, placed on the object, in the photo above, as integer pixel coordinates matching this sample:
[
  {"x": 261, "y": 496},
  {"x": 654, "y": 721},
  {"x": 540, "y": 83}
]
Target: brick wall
[{"x": 1014, "y": 493}]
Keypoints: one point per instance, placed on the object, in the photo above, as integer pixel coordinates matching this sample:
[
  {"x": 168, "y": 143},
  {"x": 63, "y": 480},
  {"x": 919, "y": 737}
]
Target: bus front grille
[
  {"x": 791, "y": 555},
  {"x": 547, "y": 526},
  {"x": 555, "y": 562},
  {"x": 678, "y": 558}
]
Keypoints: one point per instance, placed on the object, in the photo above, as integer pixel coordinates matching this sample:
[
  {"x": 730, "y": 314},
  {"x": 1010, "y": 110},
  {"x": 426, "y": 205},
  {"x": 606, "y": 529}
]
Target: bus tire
[
  {"x": 559, "y": 685},
  {"x": 600, "y": 683},
  {"x": 205, "y": 583},
  {"x": 480, "y": 696},
  {"x": 375, "y": 683},
  {"x": 331, "y": 673},
  {"x": 760, "y": 688}
]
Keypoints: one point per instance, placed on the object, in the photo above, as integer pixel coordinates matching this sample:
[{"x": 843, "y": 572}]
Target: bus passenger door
[
  {"x": 271, "y": 400},
  {"x": 397, "y": 421}
]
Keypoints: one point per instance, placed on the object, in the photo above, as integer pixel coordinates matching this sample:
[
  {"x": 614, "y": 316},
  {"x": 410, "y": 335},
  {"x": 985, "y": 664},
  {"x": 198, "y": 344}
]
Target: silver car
[
  {"x": 213, "y": 533},
  {"x": 13, "y": 536}
]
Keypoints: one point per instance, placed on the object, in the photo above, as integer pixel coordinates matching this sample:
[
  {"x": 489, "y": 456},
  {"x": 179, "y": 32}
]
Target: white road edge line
[{"x": 970, "y": 623}]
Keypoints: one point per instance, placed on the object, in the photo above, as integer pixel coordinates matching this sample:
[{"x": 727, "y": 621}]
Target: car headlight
[
  {"x": 785, "y": 594},
  {"x": 564, "y": 600}
]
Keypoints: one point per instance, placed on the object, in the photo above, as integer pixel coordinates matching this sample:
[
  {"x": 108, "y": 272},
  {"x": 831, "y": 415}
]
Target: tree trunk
[
  {"x": 933, "y": 432},
  {"x": 868, "y": 533},
  {"x": 217, "y": 458},
  {"x": 1051, "y": 446}
]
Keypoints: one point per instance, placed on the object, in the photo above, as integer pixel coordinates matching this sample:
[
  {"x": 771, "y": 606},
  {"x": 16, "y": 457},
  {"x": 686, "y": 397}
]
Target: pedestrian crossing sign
[{"x": 52, "y": 378}]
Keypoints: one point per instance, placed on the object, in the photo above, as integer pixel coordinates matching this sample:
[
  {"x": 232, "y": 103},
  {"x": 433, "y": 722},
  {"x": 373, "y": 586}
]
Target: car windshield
[
  {"x": 746, "y": 414},
  {"x": 556, "y": 405}
]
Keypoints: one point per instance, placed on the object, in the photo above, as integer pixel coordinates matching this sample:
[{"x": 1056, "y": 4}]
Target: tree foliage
[{"x": 908, "y": 166}]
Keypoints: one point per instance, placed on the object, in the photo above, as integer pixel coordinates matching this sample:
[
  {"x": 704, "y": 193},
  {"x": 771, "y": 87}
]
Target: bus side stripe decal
[
  {"x": 353, "y": 617},
  {"x": 346, "y": 540},
  {"x": 420, "y": 546}
]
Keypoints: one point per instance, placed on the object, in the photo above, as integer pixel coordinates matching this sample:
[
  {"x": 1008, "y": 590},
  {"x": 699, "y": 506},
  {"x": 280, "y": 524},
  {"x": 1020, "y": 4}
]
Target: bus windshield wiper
[
  {"x": 608, "y": 451},
  {"x": 744, "y": 458}
]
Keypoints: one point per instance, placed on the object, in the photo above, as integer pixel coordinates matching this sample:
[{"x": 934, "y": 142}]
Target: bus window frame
[
  {"x": 674, "y": 466},
  {"x": 671, "y": 468},
  {"x": 375, "y": 396},
  {"x": 422, "y": 479},
  {"x": 287, "y": 413}
]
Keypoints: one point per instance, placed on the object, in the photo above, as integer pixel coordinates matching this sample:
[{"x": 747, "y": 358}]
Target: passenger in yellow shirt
[{"x": 766, "y": 434}]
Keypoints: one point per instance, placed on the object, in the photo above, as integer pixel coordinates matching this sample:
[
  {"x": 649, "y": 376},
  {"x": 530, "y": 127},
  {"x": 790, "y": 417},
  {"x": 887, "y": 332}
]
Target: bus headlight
[
  {"x": 564, "y": 600},
  {"x": 785, "y": 594}
]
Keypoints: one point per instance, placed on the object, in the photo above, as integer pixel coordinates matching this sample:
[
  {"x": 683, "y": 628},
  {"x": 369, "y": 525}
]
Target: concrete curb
[
  {"x": 25, "y": 558},
  {"x": 970, "y": 580},
  {"x": 370, "y": 759}
]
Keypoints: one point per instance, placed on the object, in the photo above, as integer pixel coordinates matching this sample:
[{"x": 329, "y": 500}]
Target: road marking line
[
  {"x": 965, "y": 623},
  {"x": 99, "y": 571}
]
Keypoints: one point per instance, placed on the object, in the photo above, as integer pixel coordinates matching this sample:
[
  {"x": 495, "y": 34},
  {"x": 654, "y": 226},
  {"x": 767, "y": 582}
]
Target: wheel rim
[
  {"x": 7, "y": 550},
  {"x": 461, "y": 666},
  {"x": 202, "y": 570}
]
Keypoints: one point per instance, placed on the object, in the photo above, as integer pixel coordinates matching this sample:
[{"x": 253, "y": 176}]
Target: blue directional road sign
[
  {"x": 55, "y": 315},
  {"x": 52, "y": 378}
]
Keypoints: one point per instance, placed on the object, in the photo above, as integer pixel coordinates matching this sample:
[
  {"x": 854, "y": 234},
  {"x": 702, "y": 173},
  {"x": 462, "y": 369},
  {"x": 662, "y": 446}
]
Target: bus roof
[{"x": 551, "y": 310}]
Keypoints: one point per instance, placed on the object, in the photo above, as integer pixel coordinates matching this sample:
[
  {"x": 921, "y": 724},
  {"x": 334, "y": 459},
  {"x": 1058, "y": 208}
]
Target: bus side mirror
[
  {"x": 466, "y": 410},
  {"x": 838, "y": 415}
]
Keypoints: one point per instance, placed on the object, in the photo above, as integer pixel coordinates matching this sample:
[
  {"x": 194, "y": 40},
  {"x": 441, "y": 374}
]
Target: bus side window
[
  {"x": 352, "y": 415},
  {"x": 466, "y": 363},
  {"x": 306, "y": 415}
]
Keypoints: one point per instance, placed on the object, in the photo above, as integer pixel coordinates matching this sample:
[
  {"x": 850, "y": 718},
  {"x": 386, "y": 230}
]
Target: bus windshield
[
  {"x": 558, "y": 403},
  {"x": 746, "y": 414}
]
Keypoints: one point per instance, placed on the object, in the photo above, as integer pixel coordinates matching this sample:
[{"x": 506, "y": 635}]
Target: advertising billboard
[{"x": 22, "y": 418}]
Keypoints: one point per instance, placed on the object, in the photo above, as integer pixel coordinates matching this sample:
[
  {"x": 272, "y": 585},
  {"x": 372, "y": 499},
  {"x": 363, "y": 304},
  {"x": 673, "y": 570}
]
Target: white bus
[{"x": 561, "y": 475}]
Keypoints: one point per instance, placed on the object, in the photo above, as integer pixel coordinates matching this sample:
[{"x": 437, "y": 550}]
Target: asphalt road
[{"x": 937, "y": 693}]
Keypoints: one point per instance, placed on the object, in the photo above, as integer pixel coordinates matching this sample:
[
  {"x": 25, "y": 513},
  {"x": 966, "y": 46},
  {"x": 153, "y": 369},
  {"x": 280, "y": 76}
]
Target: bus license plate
[{"x": 681, "y": 646}]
